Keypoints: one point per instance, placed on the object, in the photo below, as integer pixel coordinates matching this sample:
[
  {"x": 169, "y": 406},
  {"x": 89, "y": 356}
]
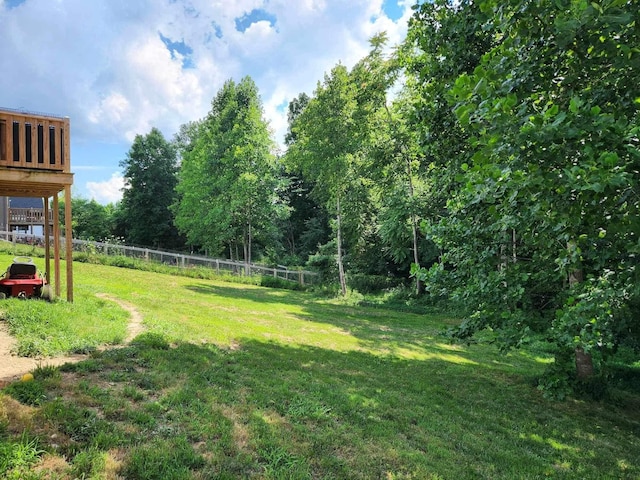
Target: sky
[{"x": 118, "y": 68}]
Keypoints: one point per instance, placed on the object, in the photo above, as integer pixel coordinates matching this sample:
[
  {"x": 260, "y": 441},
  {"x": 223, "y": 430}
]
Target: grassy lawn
[{"x": 238, "y": 381}]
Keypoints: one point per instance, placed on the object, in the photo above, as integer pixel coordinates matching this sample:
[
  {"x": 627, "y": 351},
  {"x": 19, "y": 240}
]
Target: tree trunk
[
  {"x": 584, "y": 364},
  {"x": 584, "y": 360},
  {"x": 343, "y": 282},
  {"x": 416, "y": 256},
  {"x": 414, "y": 227},
  {"x": 248, "y": 257},
  {"x": 245, "y": 252}
]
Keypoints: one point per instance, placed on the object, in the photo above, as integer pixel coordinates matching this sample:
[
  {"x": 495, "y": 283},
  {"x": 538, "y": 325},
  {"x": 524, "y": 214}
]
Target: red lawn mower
[{"x": 23, "y": 280}]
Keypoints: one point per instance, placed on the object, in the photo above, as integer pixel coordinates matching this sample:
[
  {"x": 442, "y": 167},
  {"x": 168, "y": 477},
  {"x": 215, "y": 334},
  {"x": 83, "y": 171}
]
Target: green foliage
[
  {"x": 540, "y": 229},
  {"x": 365, "y": 284},
  {"x": 30, "y": 392},
  {"x": 150, "y": 169},
  {"x": 329, "y": 144},
  {"x": 150, "y": 340},
  {"x": 307, "y": 225},
  {"x": 16, "y": 458},
  {"x": 275, "y": 282},
  {"x": 227, "y": 190},
  {"x": 90, "y": 220}
]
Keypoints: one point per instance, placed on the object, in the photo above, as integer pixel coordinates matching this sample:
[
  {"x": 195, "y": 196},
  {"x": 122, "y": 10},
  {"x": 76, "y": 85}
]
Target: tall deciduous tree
[
  {"x": 542, "y": 229},
  {"x": 326, "y": 148},
  {"x": 150, "y": 180},
  {"x": 307, "y": 225},
  {"x": 228, "y": 188}
]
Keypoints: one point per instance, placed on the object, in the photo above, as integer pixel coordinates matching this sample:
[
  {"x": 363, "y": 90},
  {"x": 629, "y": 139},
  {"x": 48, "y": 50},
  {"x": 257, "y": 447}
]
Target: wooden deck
[
  {"x": 28, "y": 216},
  {"x": 34, "y": 154},
  {"x": 35, "y": 162}
]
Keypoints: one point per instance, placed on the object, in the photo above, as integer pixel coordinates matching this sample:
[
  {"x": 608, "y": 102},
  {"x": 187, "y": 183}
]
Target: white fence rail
[{"x": 181, "y": 260}]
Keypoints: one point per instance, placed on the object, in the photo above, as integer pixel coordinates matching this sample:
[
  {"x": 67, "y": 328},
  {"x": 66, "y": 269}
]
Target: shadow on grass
[
  {"x": 276, "y": 411},
  {"x": 250, "y": 292}
]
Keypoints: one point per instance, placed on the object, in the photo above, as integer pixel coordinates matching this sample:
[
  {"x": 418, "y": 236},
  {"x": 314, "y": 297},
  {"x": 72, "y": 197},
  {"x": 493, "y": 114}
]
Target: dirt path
[
  {"x": 135, "y": 327},
  {"x": 13, "y": 367}
]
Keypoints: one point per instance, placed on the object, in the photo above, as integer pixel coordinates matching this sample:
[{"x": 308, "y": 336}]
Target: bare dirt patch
[{"x": 13, "y": 367}]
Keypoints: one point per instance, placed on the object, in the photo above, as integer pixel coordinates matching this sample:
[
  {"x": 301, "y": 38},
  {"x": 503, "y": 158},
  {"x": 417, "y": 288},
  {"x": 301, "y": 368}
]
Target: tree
[
  {"x": 445, "y": 39},
  {"x": 400, "y": 187},
  {"x": 307, "y": 225},
  {"x": 326, "y": 148},
  {"x": 150, "y": 180},
  {"x": 228, "y": 190},
  {"x": 542, "y": 225},
  {"x": 90, "y": 221},
  {"x": 334, "y": 139}
]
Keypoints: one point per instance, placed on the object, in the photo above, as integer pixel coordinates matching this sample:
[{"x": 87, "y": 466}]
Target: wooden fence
[{"x": 303, "y": 277}]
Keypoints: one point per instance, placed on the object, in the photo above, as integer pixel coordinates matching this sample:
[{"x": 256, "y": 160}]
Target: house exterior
[{"x": 23, "y": 214}]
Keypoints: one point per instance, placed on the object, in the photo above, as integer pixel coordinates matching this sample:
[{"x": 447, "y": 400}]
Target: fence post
[{"x": 217, "y": 267}]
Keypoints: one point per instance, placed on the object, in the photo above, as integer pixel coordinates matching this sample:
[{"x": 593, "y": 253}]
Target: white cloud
[
  {"x": 105, "y": 65},
  {"x": 109, "y": 191}
]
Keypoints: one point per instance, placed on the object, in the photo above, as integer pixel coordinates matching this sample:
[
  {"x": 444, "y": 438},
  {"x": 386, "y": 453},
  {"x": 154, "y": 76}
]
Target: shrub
[
  {"x": 372, "y": 283},
  {"x": 274, "y": 282}
]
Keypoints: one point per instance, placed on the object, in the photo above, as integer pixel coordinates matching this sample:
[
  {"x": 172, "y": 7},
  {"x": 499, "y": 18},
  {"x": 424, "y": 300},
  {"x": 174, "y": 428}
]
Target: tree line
[{"x": 492, "y": 160}]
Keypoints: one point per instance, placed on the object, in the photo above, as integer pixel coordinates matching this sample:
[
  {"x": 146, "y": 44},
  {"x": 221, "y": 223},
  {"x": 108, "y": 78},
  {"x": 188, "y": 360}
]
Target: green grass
[{"x": 239, "y": 381}]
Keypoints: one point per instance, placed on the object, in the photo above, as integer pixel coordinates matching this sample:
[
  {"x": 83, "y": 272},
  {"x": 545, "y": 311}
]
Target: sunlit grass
[{"x": 238, "y": 381}]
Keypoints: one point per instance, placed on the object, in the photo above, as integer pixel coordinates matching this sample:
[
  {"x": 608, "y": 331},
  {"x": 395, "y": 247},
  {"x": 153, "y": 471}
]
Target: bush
[
  {"x": 274, "y": 282},
  {"x": 372, "y": 283}
]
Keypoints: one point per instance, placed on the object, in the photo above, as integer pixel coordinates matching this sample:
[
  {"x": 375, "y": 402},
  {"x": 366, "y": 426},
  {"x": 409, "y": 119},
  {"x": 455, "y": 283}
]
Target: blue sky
[{"x": 118, "y": 69}]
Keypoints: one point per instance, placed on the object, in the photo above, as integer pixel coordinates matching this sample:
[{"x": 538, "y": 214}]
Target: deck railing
[
  {"x": 28, "y": 216},
  {"x": 34, "y": 141}
]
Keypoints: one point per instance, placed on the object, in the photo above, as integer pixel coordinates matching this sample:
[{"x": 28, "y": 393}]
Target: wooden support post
[
  {"x": 56, "y": 244},
  {"x": 47, "y": 242},
  {"x": 68, "y": 241}
]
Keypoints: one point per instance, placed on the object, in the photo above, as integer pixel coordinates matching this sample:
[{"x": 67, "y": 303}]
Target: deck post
[
  {"x": 68, "y": 241},
  {"x": 47, "y": 242},
  {"x": 56, "y": 244}
]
